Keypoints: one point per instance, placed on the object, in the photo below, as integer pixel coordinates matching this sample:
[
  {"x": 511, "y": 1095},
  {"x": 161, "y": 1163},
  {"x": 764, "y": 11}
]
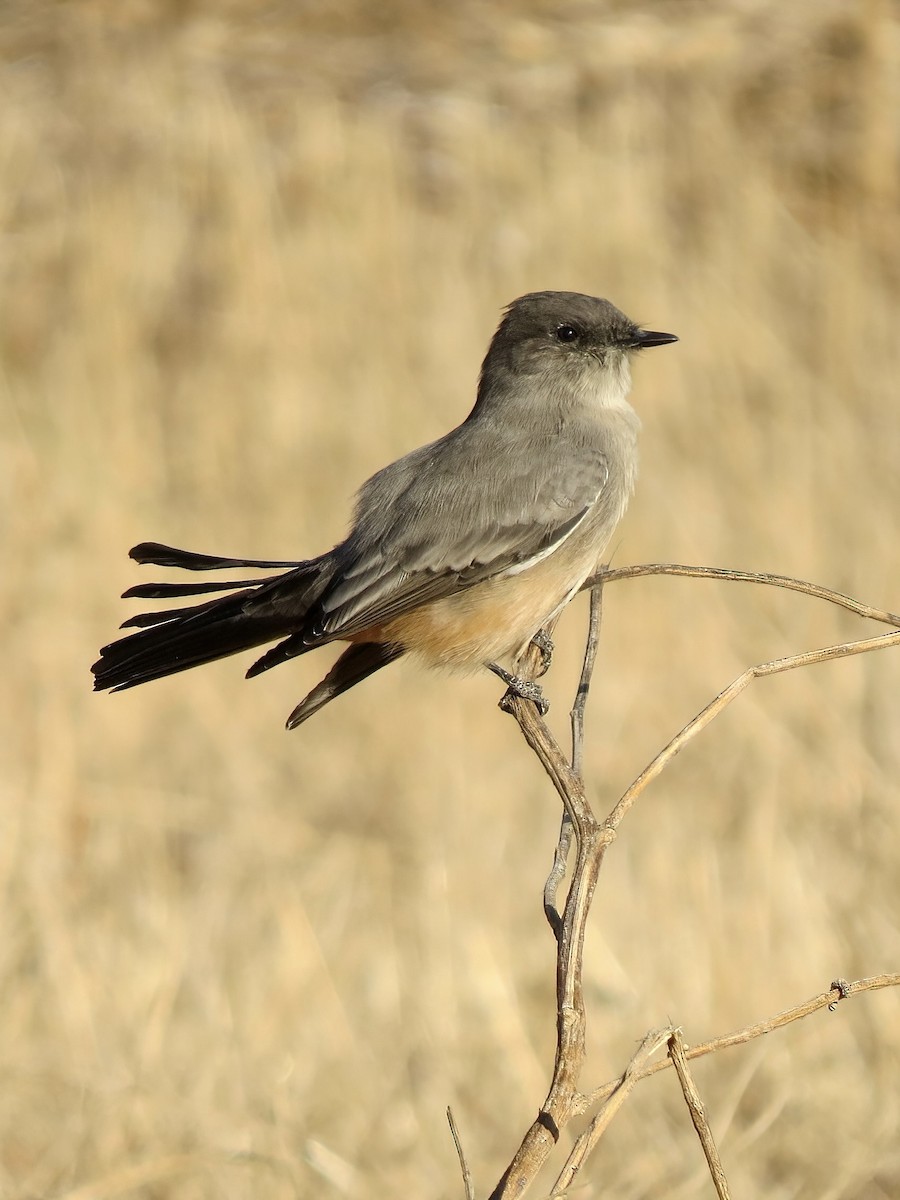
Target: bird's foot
[
  {"x": 519, "y": 687},
  {"x": 544, "y": 642}
]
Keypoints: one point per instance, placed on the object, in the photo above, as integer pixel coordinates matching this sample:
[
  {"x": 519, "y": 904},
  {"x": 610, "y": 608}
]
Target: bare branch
[
  {"x": 591, "y": 839},
  {"x": 586, "y": 1141},
  {"x": 838, "y": 991},
  {"x": 584, "y": 683},
  {"x": 463, "y": 1164},
  {"x": 698, "y": 1115},
  {"x": 563, "y": 1098},
  {"x": 775, "y": 667},
  {"x": 557, "y": 871},
  {"x": 613, "y": 574},
  {"x": 561, "y": 854}
]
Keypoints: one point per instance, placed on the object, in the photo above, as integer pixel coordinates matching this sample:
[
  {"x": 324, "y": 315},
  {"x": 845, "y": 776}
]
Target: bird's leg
[
  {"x": 544, "y": 643},
  {"x": 519, "y": 687}
]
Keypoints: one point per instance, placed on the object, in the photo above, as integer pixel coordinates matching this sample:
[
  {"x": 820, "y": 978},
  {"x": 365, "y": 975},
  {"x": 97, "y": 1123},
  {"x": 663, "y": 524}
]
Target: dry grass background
[{"x": 249, "y": 252}]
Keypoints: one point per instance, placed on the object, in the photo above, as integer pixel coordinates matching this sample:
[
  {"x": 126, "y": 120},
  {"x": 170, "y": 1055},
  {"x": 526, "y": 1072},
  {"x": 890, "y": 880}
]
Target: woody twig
[{"x": 591, "y": 838}]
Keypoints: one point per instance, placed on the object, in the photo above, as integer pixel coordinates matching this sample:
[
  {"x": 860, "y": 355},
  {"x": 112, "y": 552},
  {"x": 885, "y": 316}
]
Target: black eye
[{"x": 566, "y": 333}]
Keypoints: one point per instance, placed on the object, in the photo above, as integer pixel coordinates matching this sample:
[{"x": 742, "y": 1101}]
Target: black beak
[{"x": 646, "y": 337}]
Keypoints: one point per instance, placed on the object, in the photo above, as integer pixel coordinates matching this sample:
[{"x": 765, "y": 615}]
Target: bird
[{"x": 458, "y": 553}]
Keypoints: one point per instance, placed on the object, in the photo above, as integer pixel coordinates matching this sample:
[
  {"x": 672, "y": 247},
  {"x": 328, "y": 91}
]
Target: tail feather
[
  {"x": 167, "y": 591},
  {"x": 166, "y": 615},
  {"x": 181, "y": 638},
  {"x": 157, "y": 555},
  {"x": 171, "y": 647},
  {"x": 293, "y": 645},
  {"x": 354, "y": 665}
]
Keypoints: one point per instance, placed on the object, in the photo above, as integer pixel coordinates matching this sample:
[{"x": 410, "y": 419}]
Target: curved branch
[
  {"x": 774, "y": 667},
  {"x": 591, "y": 840},
  {"x": 613, "y": 574},
  {"x": 839, "y": 990}
]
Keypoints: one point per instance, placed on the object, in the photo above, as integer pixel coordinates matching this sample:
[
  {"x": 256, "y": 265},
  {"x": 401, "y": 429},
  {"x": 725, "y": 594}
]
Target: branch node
[{"x": 546, "y": 1120}]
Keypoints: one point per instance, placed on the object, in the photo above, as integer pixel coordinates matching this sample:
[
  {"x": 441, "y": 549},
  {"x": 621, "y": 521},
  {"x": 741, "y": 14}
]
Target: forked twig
[
  {"x": 839, "y": 990},
  {"x": 591, "y": 839},
  {"x": 586, "y": 1141}
]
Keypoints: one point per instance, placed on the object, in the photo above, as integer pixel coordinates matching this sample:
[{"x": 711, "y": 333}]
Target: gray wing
[{"x": 473, "y": 506}]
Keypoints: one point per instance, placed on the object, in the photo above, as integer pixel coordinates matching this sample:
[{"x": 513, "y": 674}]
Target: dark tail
[
  {"x": 173, "y": 640},
  {"x": 355, "y": 664}
]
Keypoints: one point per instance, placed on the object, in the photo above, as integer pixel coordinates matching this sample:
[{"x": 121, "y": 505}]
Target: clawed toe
[
  {"x": 520, "y": 687},
  {"x": 544, "y": 642}
]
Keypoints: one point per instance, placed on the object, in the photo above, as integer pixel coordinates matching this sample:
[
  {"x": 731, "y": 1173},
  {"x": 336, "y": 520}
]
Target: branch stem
[{"x": 591, "y": 838}]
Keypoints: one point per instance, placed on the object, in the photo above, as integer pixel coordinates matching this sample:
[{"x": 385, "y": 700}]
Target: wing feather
[{"x": 455, "y": 519}]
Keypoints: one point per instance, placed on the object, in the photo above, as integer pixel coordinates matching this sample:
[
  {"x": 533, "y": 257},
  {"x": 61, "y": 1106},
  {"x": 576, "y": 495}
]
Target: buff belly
[{"x": 493, "y": 621}]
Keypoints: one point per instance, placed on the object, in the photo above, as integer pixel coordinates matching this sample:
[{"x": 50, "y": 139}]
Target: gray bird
[{"x": 459, "y": 552}]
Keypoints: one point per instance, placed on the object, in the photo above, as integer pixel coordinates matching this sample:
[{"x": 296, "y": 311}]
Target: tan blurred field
[{"x": 249, "y": 252}]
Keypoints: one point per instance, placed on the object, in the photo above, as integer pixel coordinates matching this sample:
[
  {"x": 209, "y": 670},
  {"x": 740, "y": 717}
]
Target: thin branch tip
[{"x": 468, "y": 1185}]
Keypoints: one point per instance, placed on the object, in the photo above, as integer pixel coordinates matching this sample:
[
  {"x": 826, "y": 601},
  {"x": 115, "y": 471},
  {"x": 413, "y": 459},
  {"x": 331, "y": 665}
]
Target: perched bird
[{"x": 459, "y": 552}]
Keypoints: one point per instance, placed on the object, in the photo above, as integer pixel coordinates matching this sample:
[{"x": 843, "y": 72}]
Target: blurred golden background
[{"x": 250, "y": 252}]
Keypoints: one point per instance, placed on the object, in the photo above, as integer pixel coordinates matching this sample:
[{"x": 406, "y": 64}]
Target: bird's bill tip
[{"x": 651, "y": 337}]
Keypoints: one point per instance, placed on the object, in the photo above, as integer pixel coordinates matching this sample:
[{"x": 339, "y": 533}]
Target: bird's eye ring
[{"x": 566, "y": 333}]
